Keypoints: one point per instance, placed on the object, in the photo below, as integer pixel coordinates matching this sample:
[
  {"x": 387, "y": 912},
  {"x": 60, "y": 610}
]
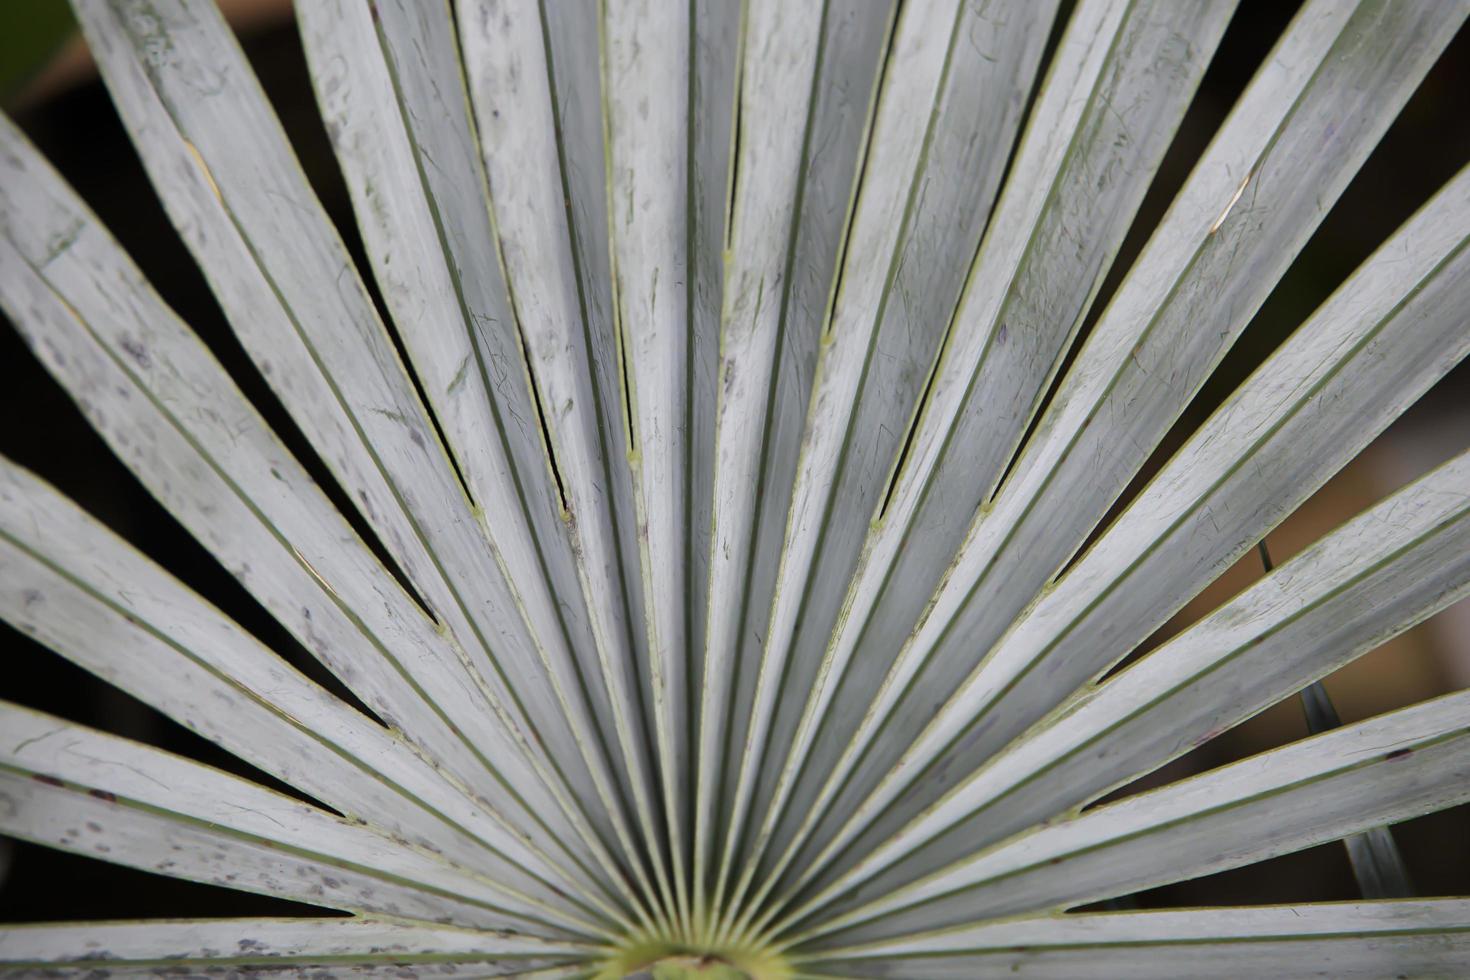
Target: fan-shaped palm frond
[{"x": 736, "y": 544}]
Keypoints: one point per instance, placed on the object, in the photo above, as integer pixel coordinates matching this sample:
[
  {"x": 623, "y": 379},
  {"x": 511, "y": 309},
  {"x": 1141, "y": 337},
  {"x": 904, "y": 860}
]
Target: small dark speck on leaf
[{"x": 137, "y": 352}]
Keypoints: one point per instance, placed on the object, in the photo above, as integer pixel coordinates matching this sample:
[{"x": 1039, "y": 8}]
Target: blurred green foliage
[{"x": 30, "y": 32}]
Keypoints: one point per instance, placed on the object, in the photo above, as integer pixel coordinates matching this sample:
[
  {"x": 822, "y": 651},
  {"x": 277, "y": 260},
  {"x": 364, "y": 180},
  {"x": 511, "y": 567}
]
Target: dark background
[{"x": 42, "y": 430}]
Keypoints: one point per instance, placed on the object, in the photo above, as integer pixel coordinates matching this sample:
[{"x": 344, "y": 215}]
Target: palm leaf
[
  {"x": 300, "y": 946},
  {"x": 732, "y": 453},
  {"x": 1344, "y": 940}
]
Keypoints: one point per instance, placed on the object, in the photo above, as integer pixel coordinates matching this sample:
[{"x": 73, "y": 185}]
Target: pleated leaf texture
[{"x": 747, "y": 494}]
